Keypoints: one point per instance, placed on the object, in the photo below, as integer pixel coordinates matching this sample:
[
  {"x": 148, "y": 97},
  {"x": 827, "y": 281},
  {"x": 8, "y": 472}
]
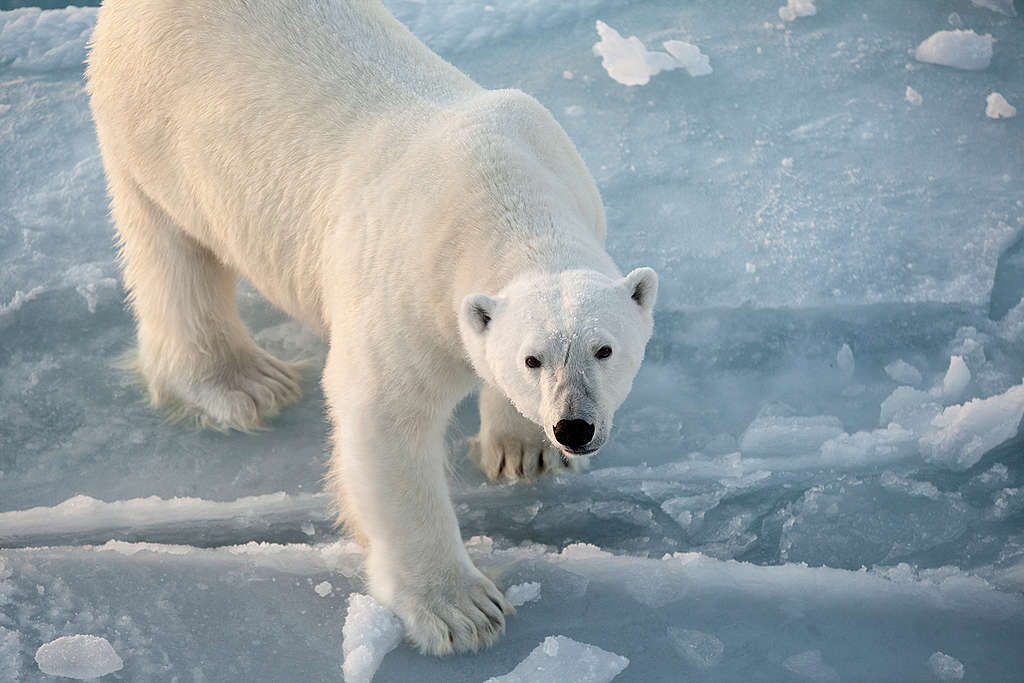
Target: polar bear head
[{"x": 564, "y": 347}]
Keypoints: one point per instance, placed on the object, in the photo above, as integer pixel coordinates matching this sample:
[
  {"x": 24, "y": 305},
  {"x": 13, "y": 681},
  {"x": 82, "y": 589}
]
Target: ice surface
[
  {"x": 78, "y": 656},
  {"x": 371, "y": 631},
  {"x": 958, "y": 49},
  {"x": 700, "y": 650},
  {"x": 627, "y": 60},
  {"x": 792, "y": 204},
  {"x": 944, "y": 667},
  {"x": 809, "y": 666},
  {"x": 996, "y": 107},
  {"x": 563, "y": 659},
  {"x": 797, "y": 8}
]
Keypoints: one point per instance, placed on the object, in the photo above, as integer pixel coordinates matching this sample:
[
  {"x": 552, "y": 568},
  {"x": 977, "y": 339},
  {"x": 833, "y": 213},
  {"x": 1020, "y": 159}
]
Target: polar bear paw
[
  {"x": 465, "y": 616},
  {"x": 239, "y": 394},
  {"x": 512, "y": 459}
]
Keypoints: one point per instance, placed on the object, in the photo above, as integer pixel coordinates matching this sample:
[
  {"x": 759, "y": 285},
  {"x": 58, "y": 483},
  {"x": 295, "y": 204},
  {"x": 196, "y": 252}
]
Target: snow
[
  {"x": 913, "y": 97},
  {"x": 958, "y": 48},
  {"x": 996, "y": 107},
  {"x": 371, "y": 631},
  {"x": 79, "y": 656},
  {"x": 946, "y": 668},
  {"x": 804, "y": 499},
  {"x": 560, "y": 658},
  {"x": 627, "y": 60},
  {"x": 797, "y": 8}
]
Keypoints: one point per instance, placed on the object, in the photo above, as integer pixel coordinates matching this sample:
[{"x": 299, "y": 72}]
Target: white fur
[{"x": 373, "y": 191}]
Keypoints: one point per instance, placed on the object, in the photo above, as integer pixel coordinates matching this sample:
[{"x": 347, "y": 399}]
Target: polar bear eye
[
  {"x": 532, "y": 362},
  {"x": 603, "y": 352}
]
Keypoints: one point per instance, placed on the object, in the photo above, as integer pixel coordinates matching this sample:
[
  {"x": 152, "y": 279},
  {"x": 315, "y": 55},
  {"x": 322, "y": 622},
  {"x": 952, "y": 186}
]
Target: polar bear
[{"x": 438, "y": 234}]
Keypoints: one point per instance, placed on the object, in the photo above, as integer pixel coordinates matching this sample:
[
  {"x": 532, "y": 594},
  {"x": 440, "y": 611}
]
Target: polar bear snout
[{"x": 573, "y": 434}]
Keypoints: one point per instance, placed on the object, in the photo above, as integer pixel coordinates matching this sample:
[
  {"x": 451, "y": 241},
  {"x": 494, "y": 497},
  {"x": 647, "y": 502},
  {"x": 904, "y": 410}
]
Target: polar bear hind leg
[
  {"x": 195, "y": 355},
  {"x": 510, "y": 447}
]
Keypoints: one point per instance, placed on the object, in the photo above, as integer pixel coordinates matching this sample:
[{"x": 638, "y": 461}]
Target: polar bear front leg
[
  {"x": 388, "y": 471},
  {"x": 511, "y": 447}
]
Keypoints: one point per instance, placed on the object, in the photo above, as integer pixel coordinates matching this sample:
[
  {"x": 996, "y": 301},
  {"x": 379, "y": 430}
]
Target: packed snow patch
[
  {"x": 946, "y": 668},
  {"x": 370, "y": 632},
  {"x": 560, "y": 658},
  {"x": 629, "y": 62},
  {"x": 79, "y": 656},
  {"x": 797, "y": 8},
  {"x": 34, "y": 40},
  {"x": 996, "y": 107},
  {"x": 913, "y": 97},
  {"x": 958, "y": 49}
]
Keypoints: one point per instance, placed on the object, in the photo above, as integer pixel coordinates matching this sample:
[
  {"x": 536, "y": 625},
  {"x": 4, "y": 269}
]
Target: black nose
[{"x": 573, "y": 433}]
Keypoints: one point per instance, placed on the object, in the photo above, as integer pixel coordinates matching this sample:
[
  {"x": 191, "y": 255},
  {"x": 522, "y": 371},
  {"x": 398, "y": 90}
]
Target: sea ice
[
  {"x": 946, "y": 668},
  {"x": 10, "y": 650},
  {"x": 522, "y": 593},
  {"x": 797, "y": 8},
  {"x": 370, "y": 632},
  {"x": 78, "y": 656},
  {"x": 810, "y": 666},
  {"x": 560, "y": 658},
  {"x": 958, "y": 376},
  {"x": 913, "y": 97},
  {"x": 958, "y": 49},
  {"x": 700, "y": 650},
  {"x": 903, "y": 372},
  {"x": 627, "y": 60},
  {"x": 996, "y": 107}
]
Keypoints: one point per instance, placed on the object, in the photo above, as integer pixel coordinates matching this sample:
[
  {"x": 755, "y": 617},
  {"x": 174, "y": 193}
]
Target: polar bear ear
[
  {"x": 477, "y": 310},
  {"x": 642, "y": 285}
]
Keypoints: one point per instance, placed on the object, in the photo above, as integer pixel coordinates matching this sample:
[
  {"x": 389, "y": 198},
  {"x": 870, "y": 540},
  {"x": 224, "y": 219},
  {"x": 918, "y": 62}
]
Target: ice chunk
[
  {"x": 370, "y": 632},
  {"x": 797, "y": 8},
  {"x": 860, "y": 448},
  {"x": 700, "y": 650},
  {"x": 958, "y": 49},
  {"x": 963, "y": 433},
  {"x": 913, "y": 97},
  {"x": 771, "y": 436},
  {"x": 958, "y": 376},
  {"x": 522, "y": 593},
  {"x": 1001, "y": 6},
  {"x": 810, "y": 666},
  {"x": 946, "y": 668},
  {"x": 323, "y": 589},
  {"x": 560, "y": 658},
  {"x": 910, "y": 408},
  {"x": 903, "y": 372},
  {"x": 79, "y": 656},
  {"x": 627, "y": 60},
  {"x": 845, "y": 362},
  {"x": 996, "y": 107},
  {"x": 689, "y": 57}
]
